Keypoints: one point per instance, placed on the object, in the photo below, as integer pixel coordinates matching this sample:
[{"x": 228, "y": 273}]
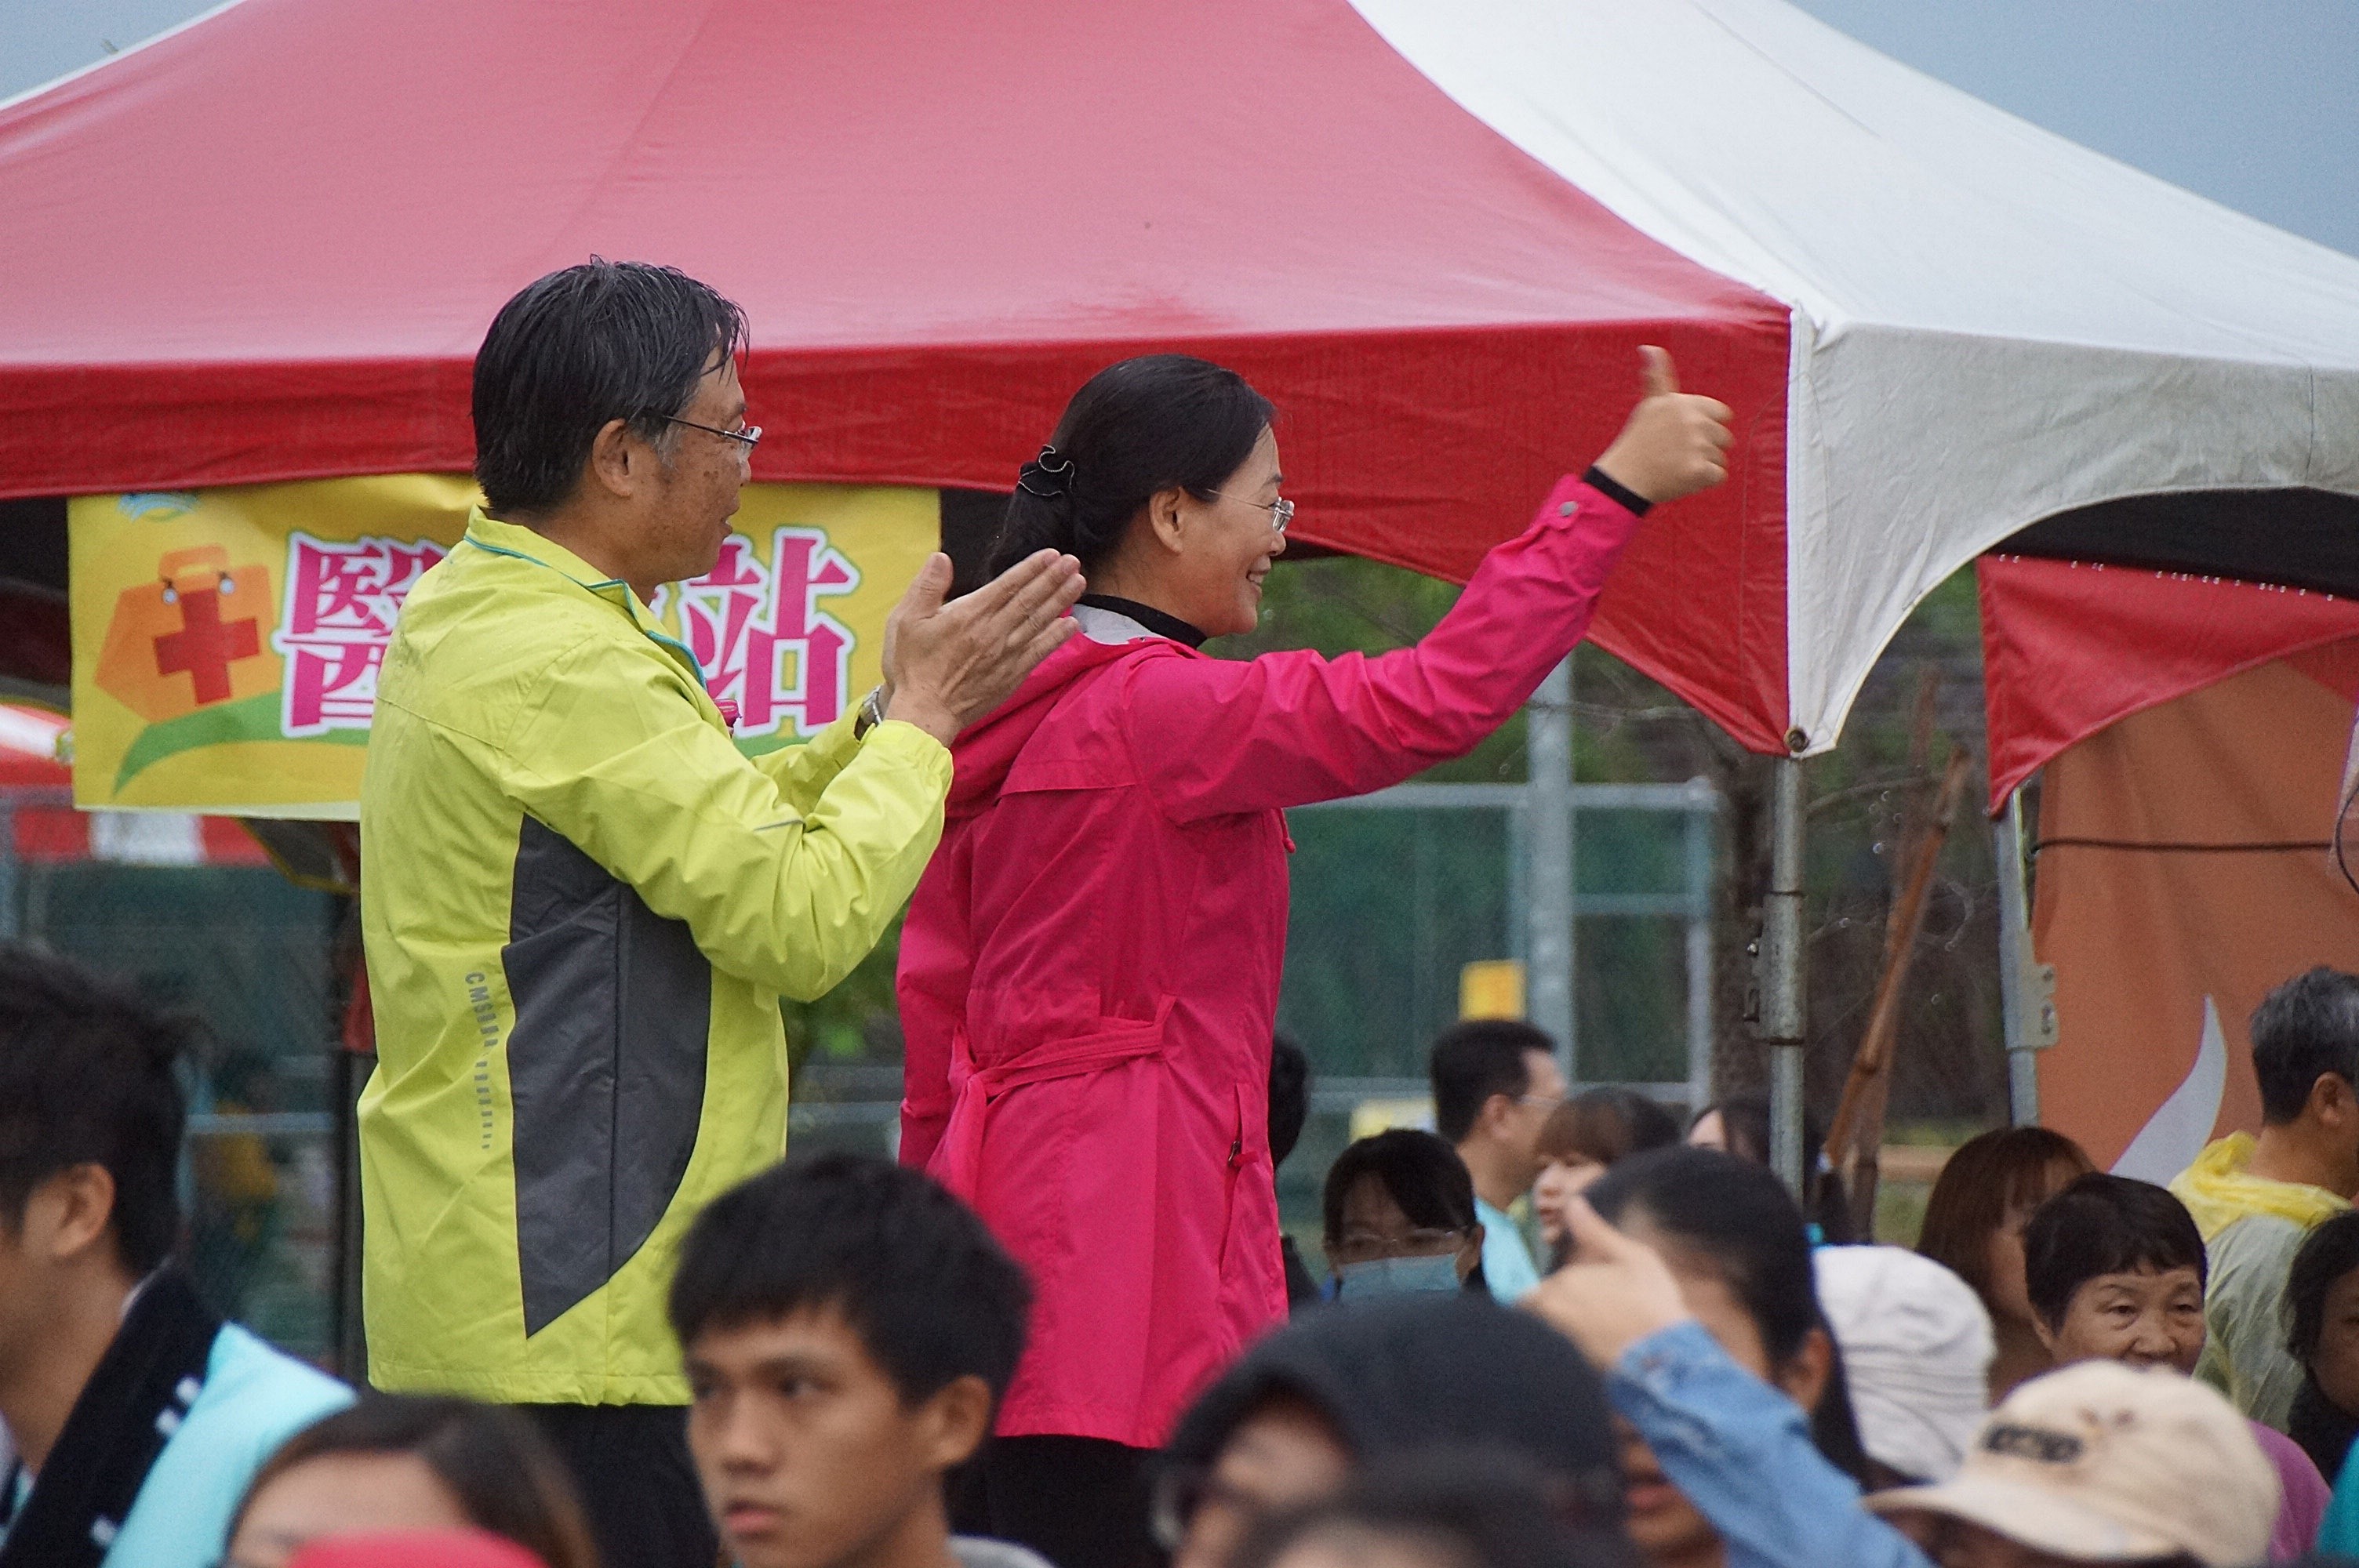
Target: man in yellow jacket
[
  {"x": 2254, "y": 1199},
  {"x": 581, "y": 903}
]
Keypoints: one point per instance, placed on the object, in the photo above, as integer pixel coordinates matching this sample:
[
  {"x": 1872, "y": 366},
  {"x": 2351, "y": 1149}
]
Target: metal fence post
[
  {"x": 1782, "y": 960},
  {"x": 1700, "y": 975},
  {"x": 2013, "y": 969},
  {"x": 1548, "y": 748}
]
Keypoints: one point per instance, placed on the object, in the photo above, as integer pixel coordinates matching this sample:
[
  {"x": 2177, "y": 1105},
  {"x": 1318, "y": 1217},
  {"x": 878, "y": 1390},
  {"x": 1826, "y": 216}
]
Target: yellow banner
[{"x": 225, "y": 642}]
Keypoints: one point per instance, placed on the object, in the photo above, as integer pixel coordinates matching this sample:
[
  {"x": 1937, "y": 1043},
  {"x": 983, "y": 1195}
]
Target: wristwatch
[{"x": 872, "y": 713}]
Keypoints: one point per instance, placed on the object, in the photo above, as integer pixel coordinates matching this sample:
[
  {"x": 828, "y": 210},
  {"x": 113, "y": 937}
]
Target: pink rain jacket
[{"x": 1089, "y": 972}]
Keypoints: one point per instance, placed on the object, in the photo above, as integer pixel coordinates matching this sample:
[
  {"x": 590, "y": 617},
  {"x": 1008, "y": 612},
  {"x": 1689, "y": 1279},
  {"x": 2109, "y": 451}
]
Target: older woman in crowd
[{"x": 2115, "y": 1269}]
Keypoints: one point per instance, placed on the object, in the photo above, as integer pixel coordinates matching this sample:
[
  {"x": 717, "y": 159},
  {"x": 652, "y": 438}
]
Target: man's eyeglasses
[
  {"x": 748, "y": 438},
  {"x": 1281, "y": 513}
]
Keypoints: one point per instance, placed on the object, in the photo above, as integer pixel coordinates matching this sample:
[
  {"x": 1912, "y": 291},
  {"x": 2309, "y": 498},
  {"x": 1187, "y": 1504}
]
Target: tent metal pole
[
  {"x": 1781, "y": 973},
  {"x": 1548, "y": 745},
  {"x": 2014, "y": 968}
]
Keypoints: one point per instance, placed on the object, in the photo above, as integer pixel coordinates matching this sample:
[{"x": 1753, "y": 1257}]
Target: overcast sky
[{"x": 2251, "y": 102}]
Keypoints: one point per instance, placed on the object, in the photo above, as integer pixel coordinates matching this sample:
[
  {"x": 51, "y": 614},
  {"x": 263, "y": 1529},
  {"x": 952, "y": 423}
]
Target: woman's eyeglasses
[{"x": 1281, "y": 513}]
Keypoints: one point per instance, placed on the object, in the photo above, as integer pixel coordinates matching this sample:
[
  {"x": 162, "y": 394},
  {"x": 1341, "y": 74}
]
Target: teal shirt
[
  {"x": 1506, "y": 1261},
  {"x": 254, "y": 1399},
  {"x": 2338, "y": 1532}
]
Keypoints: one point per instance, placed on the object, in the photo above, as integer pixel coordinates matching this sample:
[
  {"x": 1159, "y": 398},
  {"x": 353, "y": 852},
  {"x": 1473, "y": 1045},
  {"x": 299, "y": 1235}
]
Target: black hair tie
[{"x": 1049, "y": 476}]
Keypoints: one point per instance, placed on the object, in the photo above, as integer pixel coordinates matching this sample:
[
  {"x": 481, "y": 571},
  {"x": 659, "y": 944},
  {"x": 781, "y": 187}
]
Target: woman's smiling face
[{"x": 1225, "y": 546}]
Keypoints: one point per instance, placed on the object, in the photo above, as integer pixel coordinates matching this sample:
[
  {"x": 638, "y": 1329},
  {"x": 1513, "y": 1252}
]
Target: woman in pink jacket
[{"x": 1089, "y": 969}]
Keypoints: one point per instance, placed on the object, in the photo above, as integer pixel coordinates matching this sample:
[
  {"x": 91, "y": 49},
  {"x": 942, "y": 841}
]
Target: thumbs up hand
[{"x": 1675, "y": 443}]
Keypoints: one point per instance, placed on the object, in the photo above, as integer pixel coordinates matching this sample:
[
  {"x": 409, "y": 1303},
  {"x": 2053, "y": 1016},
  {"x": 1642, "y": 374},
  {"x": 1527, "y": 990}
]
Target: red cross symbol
[{"x": 203, "y": 646}]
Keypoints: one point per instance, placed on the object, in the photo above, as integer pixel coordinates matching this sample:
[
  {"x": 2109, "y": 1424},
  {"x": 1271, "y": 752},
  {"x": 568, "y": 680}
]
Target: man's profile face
[
  {"x": 808, "y": 1455},
  {"x": 696, "y": 494},
  {"x": 1544, "y": 1090}
]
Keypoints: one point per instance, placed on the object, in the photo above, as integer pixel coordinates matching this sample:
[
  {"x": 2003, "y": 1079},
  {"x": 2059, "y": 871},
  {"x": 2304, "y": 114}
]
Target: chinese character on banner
[
  {"x": 342, "y": 598},
  {"x": 744, "y": 619}
]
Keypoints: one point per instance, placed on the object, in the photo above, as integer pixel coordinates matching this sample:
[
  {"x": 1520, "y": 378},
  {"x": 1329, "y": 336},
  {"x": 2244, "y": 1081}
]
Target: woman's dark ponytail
[{"x": 1146, "y": 424}]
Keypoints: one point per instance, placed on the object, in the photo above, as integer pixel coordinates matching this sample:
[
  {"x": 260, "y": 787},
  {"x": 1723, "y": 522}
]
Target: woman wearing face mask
[
  {"x": 1089, "y": 970},
  {"x": 1736, "y": 1245},
  {"x": 1400, "y": 1218}
]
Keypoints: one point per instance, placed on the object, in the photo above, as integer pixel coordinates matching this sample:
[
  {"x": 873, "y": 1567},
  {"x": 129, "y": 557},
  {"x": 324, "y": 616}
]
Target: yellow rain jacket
[
  {"x": 582, "y": 904},
  {"x": 2252, "y": 1226}
]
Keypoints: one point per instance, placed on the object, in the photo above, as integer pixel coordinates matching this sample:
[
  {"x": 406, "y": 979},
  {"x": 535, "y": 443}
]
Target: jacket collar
[{"x": 514, "y": 540}]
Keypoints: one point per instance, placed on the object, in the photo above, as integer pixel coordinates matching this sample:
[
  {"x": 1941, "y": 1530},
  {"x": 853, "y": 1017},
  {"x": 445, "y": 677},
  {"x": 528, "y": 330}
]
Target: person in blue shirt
[
  {"x": 1687, "y": 1328},
  {"x": 1495, "y": 1083},
  {"x": 134, "y": 1416}
]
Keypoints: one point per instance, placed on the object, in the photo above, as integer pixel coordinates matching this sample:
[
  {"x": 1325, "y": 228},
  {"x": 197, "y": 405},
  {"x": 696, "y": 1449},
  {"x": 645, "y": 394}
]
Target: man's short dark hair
[
  {"x": 2100, "y": 1223},
  {"x": 601, "y": 341},
  {"x": 1449, "y": 1508},
  {"x": 1289, "y": 1097},
  {"x": 1474, "y": 1060},
  {"x": 2302, "y": 1031},
  {"x": 87, "y": 1078},
  {"x": 930, "y": 1294}
]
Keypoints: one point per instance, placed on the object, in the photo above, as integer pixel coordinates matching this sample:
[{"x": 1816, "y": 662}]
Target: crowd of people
[
  {"x": 607, "y": 1325},
  {"x": 1691, "y": 1378}
]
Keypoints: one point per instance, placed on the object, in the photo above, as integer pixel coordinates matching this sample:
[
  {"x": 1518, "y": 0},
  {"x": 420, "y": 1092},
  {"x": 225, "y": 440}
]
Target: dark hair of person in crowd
[
  {"x": 1731, "y": 1220},
  {"x": 2103, "y": 1224},
  {"x": 88, "y": 1076},
  {"x": 2305, "y": 1029},
  {"x": 1426, "y": 1181},
  {"x": 2322, "y": 1303},
  {"x": 1136, "y": 429},
  {"x": 884, "y": 1246},
  {"x": 498, "y": 1469},
  {"x": 1604, "y": 1126},
  {"x": 1476, "y": 1059},
  {"x": 1398, "y": 1380},
  {"x": 1471, "y": 1508},
  {"x": 1290, "y": 1108},
  {"x": 1289, "y": 1097},
  {"x": 1742, "y": 1122},
  {"x": 578, "y": 350}
]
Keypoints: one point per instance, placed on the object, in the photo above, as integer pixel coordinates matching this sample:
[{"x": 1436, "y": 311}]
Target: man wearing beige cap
[{"x": 2099, "y": 1463}]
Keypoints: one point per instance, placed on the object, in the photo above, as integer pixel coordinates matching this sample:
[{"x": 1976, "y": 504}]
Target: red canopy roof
[{"x": 266, "y": 248}]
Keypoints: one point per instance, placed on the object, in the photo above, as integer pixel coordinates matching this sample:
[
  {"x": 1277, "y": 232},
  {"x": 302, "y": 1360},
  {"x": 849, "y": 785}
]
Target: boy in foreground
[{"x": 848, "y": 1328}]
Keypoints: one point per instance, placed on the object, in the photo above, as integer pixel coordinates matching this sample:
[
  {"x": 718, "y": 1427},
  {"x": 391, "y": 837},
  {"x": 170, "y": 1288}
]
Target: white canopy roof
[{"x": 1990, "y": 325}]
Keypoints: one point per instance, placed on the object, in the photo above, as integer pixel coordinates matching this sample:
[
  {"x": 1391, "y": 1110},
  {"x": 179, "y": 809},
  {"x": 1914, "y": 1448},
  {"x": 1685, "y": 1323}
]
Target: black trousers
[
  {"x": 1080, "y": 1502},
  {"x": 638, "y": 1486}
]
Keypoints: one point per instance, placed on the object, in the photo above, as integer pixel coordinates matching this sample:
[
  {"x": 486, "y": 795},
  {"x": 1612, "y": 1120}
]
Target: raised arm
[
  {"x": 1739, "y": 1450},
  {"x": 1213, "y": 737}
]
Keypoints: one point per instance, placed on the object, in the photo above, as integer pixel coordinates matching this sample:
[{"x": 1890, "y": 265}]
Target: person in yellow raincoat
[
  {"x": 2255, "y": 1198},
  {"x": 581, "y": 903}
]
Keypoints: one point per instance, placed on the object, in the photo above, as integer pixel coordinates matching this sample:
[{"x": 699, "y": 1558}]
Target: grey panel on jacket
[{"x": 612, "y": 1005}]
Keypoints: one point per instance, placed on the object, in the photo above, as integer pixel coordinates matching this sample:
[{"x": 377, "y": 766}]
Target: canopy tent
[{"x": 264, "y": 246}]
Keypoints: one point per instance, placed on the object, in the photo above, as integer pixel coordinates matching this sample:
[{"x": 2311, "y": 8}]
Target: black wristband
[{"x": 1598, "y": 480}]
